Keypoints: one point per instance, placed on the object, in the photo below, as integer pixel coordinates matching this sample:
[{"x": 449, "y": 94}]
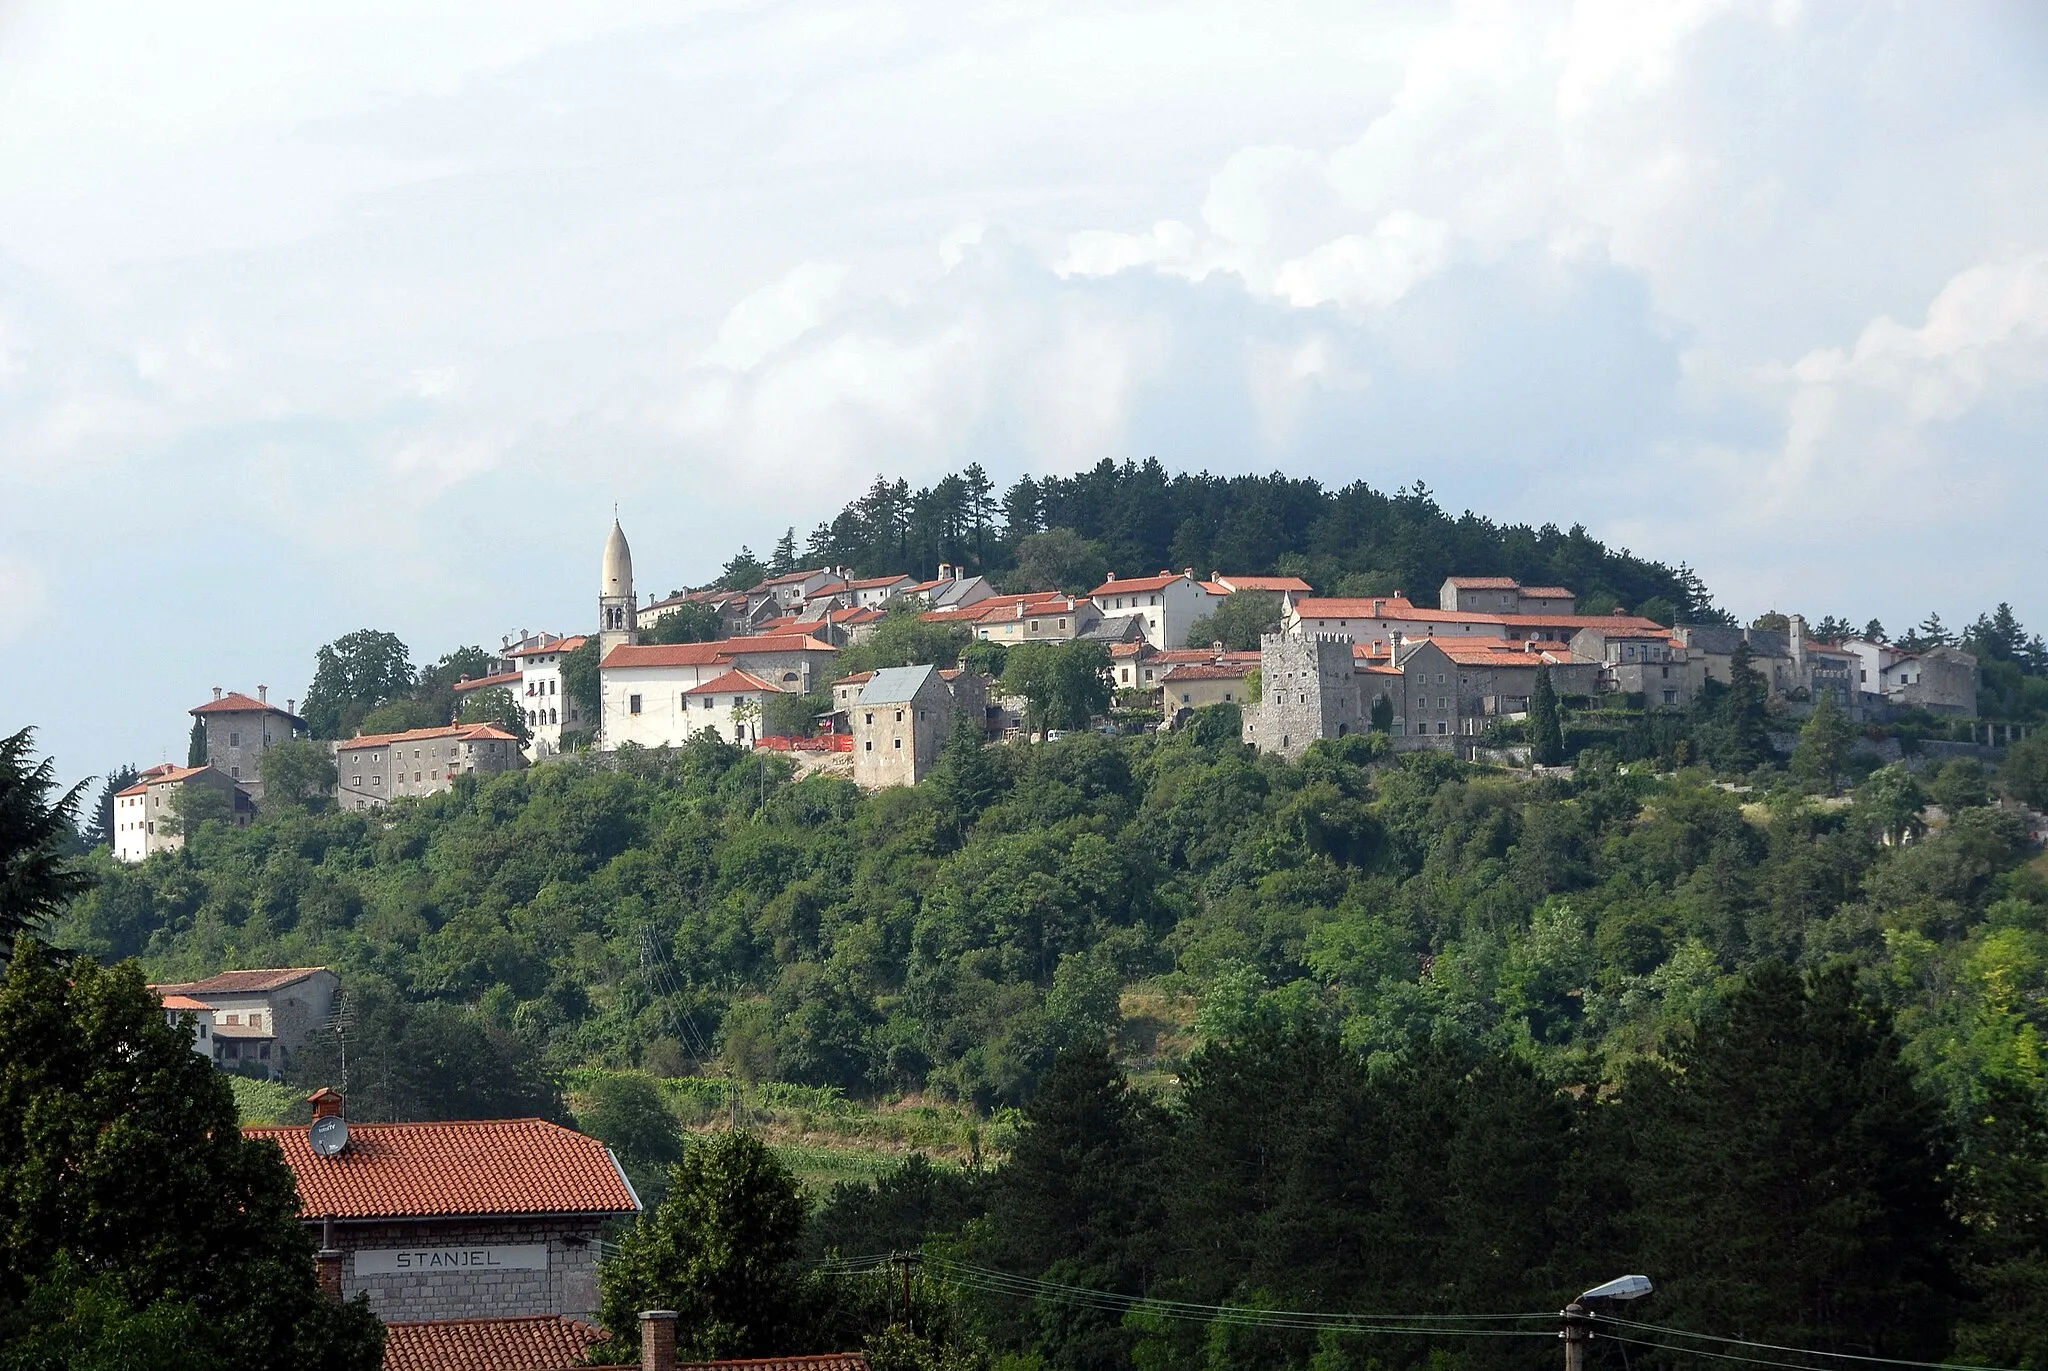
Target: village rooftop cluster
[{"x": 1431, "y": 676}]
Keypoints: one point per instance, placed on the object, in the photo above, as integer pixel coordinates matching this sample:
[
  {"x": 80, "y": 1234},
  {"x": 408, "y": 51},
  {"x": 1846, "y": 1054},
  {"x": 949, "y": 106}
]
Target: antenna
[{"x": 341, "y": 1018}]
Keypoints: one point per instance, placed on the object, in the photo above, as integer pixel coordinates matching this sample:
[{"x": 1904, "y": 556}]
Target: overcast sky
[{"x": 318, "y": 318}]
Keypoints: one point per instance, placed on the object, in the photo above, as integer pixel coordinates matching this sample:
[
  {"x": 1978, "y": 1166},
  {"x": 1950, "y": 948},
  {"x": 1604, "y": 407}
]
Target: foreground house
[{"x": 490, "y": 1219}]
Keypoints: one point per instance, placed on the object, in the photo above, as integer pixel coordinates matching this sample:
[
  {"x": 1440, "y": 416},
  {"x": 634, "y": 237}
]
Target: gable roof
[
  {"x": 252, "y": 982},
  {"x": 514, "y": 1344},
  {"x": 875, "y": 582},
  {"x": 558, "y": 645},
  {"x": 731, "y": 681},
  {"x": 448, "y": 1170},
  {"x": 486, "y": 682},
  {"x": 1116, "y": 587},
  {"x": 235, "y": 702},
  {"x": 466, "y": 732},
  {"x": 1210, "y": 671},
  {"x": 895, "y": 685},
  {"x": 1547, "y": 593},
  {"x": 710, "y": 654},
  {"x": 1279, "y": 583},
  {"x": 1484, "y": 582}
]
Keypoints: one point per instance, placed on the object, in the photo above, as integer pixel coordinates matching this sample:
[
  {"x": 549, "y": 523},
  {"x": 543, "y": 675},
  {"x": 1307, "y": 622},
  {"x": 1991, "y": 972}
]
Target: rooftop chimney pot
[
  {"x": 657, "y": 1339},
  {"x": 216, "y": 692},
  {"x": 263, "y": 693}
]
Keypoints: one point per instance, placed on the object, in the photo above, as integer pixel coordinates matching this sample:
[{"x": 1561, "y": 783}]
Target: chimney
[
  {"x": 327, "y": 1262},
  {"x": 291, "y": 705},
  {"x": 1216, "y": 647},
  {"x": 1110, "y": 577},
  {"x": 326, "y": 1101},
  {"x": 1188, "y": 572},
  {"x": 657, "y": 1339},
  {"x": 945, "y": 571},
  {"x": 216, "y": 692},
  {"x": 263, "y": 693}
]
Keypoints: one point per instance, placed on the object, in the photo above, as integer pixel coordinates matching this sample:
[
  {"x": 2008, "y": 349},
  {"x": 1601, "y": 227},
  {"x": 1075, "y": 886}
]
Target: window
[
  {"x": 871, "y": 718},
  {"x": 235, "y": 772},
  {"x": 234, "y": 740},
  {"x": 899, "y": 744},
  {"x": 376, "y": 781},
  {"x": 867, "y": 747},
  {"x": 415, "y": 777},
  {"x": 632, "y": 704},
  {"x": 899, "y": 716},
  {"x": 356, "y": 781}
]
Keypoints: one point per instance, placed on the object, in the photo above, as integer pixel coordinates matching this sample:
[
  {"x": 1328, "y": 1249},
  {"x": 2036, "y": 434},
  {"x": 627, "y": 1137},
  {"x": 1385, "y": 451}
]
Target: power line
[{"x": 1775, "y": 1347}]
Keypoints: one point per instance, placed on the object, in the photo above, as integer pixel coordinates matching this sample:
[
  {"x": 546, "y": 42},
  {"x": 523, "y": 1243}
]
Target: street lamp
[{"x": 1578, "y": 1321}]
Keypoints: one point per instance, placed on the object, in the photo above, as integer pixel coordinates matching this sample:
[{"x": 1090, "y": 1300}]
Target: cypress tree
[
  {"x": 195, "y": 746},
  {"x": 1546, "y": 729}
]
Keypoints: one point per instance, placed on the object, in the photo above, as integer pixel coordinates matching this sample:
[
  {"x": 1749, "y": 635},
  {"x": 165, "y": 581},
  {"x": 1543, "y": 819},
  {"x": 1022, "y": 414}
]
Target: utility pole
[{"x": 1577, "y": 1331}]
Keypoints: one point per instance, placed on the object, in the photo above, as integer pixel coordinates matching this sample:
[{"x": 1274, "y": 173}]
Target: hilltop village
[{"x": 1443, "y": 676}]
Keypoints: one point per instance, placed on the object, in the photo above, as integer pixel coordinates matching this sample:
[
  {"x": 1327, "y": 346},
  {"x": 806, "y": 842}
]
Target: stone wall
[
  {"x": 568, "y": 1285},
  {"x": 1308, "y": 689}
]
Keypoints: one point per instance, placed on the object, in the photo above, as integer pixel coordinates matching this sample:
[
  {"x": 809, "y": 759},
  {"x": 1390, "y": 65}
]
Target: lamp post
[{"x": 1576, "y": 1320}]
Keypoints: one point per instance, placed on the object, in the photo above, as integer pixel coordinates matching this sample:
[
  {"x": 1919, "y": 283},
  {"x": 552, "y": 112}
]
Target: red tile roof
[
  {"x": 444, "y": 1170},
  {"x": 1357, "y": 607},
  {"x": 486, "y": 682},
  {"x": 1547, "y": 593},
  {"x": 1401, "y": 610},
  {"x": 559, "y": 645},
  {"x": 252, "y": 982},
  {"x": 539, "y": 1343},
  {"x": 732, "y": 681},
  {"x": 235, "y": 702},
  {"x": 871, "y": 582},
  {"x": 1210, "y": 671},
  {"x": 823, "y": 1361},
  {"x": 467, "y": 732},
  {"x": 725, "y": 650},
  {"x": 184, "y": 1002},
  {"x": 1485, "y": 582},
  {"x": 1281, "y": 583},
  {"x": 1159, "y": 582}
]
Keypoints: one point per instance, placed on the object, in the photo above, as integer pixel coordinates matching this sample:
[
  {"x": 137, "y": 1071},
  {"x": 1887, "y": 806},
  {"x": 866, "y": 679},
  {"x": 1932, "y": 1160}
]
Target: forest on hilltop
[{"x": 1136, "y": 519}]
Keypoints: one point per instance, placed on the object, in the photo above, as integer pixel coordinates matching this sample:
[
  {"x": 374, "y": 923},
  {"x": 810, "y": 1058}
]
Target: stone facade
[
  {"x": 567, "y": 1284},
  {"x": 240, "y": 729},
  {"x": 1309, "y": 689},
  {"x": 375, "y": 769},
  {"x": 902, "y": 718}
]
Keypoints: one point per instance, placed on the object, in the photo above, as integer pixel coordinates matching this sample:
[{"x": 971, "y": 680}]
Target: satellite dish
[
  {"x": 1620, "y": 1288},
  {"x": 328, "y": 1135}
]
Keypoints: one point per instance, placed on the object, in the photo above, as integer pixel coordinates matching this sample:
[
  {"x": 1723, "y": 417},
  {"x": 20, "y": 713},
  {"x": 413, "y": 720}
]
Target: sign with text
[{"x": 417, "y": 1261}]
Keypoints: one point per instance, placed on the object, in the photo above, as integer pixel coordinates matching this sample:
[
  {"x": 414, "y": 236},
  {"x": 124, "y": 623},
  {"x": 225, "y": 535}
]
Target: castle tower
[{"x": 615, "y": 618}]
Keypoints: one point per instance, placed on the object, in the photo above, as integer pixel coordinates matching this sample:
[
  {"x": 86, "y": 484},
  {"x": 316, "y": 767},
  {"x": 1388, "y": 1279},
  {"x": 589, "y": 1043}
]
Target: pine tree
[
  {"x": 1790, "y": 1176},
  {"x": 99, "y": 832},
  {"x": 1744, "y": 714},
  {"x": 36, "y": 878},
  {"x": 1546, "y": 728},
  {"x": 1824, "y": 743},
  {"x": 783, "y": 560}
]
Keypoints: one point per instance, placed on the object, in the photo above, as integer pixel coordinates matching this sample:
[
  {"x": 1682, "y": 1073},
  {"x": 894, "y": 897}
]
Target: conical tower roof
[{"x": 618, "y": 565}]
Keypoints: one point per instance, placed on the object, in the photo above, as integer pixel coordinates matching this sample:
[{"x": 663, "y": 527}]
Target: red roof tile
[
  {"x": 467, "y": 732},
  {"x": 235, "y": 702},
  {"x": 823, "y": 1361},
  {"x": 1485, "y": 582},
  {"x": 486, "y": 682},
  {"x": 1210, "y": 671},
  {"x": 872, "y": 582},
  {"x": 530, "y": 1344},
  {"x": 252, "y": 982},
  {"x": 1159, "y": 582},
  {"x": 184, "y": 1002},
  {"x": 732, "y": 681},
  {"x": 435, "y": 1170},
  {"x": 1547, "y": 593},
  {"x": 1282, "y": 583},
  {"x": 559, "y": 645}
]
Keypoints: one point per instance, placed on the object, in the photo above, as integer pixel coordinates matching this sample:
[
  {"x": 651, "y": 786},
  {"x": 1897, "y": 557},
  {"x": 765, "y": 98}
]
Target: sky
[{"x": 322, "y": 317}]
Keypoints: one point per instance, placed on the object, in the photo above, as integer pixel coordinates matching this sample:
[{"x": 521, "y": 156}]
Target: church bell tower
[{"x": 615, "y": 622}]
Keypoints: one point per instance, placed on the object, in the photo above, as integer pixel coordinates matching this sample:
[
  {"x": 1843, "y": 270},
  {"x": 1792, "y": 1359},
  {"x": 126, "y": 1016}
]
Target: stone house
[
  {"x": 1504, "y": 595},
  {"x": 373, "y": 769},
  {"x": 728, "y": 706},
  {"x": 260, "y": 1018},
  {"x": 875, "y": 592},
  {"x": 1451, "y": 689},
  {"x": 1378, "y": 619},
  {"x": 146, "y": 819},
  {"x": 1650, "y": 663},
  {"x": 1041, "y": 617},
  {"x": 238, "y": 731},
  {"x": 901, "y": 720},
  {"x": 1941, "y": 680},
  {"x": 495, "y": 1218},
  {"x": 796, "y": 589},
  {"x": 951, "y": 590}
]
